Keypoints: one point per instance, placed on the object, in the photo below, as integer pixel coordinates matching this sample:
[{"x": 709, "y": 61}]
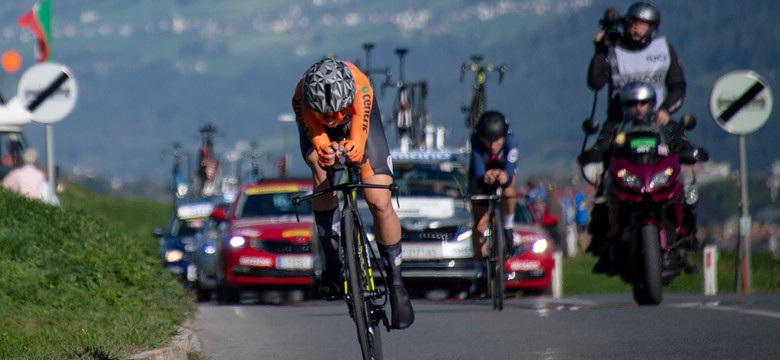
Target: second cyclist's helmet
[
  {"x": 328, "y": 86},
  {"x": 645, "y": 12},
  {"x": 492, "y": 125},
  {"x": 637, "y": 91}
]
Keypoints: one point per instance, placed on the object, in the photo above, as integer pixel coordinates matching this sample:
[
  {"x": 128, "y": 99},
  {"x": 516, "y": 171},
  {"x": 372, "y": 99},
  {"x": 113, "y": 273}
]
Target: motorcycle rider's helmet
[
  {"x": 328, "y": 86},
  {"x": 642, "y": 11},
  {"x": 492, "y": 125},
  {"x": 637, "y": 91}
]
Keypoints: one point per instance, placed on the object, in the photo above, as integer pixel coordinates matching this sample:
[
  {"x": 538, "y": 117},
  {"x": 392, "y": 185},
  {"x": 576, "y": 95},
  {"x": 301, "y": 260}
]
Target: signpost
[
  {"x": 48, "y": 92},
  {"x": 740, "y": 103}
]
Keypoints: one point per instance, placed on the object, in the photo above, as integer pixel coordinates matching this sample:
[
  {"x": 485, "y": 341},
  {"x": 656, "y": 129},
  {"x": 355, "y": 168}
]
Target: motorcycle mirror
[
  {"x": 590, "y": 126},
  {"x": 688, "y": 122}
]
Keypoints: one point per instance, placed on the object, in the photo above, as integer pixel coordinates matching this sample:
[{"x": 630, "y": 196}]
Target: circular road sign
[
  {"x": 740, "y": 102},
  {"x": 49, "y": 91}
]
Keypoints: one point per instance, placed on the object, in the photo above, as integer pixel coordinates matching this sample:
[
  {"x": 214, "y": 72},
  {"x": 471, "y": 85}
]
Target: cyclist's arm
[
  {"x": 512, "y": 155},
  {"x": 361, "y": 106},
  {"x": 305, "y": 118},
  {"x": 477, "y": 161}
]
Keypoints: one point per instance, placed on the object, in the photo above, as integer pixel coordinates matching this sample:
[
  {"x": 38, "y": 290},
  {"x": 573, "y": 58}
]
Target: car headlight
[
  {"x": 628, "y": 179},
  {"x": 173, "y": 255},
  {"x": 539, "y": 246},
  {"x": 209, "y": 249},
  {"x": 237, "y": 241},
  {"x": 464, "y": 235},
  {"x": 661, "y": 178}
]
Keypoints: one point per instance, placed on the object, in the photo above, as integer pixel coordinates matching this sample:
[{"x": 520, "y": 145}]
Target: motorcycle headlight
[
  {"x": 628, "y": 179},
  {"x": 539, "y": 246},
  {"x": 173, "y": 255},
  {"x": 237, "y": 241},
  {"x": 661, "y": 179}
]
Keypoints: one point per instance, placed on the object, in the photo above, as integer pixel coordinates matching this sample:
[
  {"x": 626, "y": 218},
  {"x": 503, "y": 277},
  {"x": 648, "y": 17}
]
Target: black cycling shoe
[
  {"x": 402, "y": 312},
  {"x": 329, "y": 283}
]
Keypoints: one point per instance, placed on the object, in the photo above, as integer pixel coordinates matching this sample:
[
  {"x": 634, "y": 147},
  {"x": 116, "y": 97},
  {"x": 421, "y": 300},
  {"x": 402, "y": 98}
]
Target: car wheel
[{"x": 226, "y": 295}]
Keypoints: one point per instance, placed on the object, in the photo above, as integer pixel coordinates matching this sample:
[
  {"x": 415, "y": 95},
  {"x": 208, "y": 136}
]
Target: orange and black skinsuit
[{"x": 361, "y": 124}]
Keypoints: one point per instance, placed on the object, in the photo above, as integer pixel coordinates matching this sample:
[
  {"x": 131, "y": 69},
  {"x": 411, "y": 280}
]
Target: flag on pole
[{"x": 39, "y": 21}]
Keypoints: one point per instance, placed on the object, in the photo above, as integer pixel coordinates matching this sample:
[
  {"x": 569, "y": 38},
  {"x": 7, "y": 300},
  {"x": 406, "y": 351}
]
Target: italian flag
[{"x": 39, "y": 21}]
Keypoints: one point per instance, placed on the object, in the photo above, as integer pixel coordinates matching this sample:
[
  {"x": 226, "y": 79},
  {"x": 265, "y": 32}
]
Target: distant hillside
[{"x": 151, "y": 73}]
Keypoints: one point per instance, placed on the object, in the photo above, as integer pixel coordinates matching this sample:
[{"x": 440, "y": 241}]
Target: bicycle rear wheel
[
  {"x": 498, "y": 255},
  {"x": 358, "y": 287}
]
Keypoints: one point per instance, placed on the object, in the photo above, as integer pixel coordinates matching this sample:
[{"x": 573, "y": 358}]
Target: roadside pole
[
  {"x": 740, "y": 103},
  {"x": 710, "y": 274},
  {"x": 557, "y": 275}
]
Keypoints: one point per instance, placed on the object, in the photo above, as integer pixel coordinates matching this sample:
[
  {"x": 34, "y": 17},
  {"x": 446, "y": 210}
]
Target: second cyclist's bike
[{"x": 496, "y": 246}]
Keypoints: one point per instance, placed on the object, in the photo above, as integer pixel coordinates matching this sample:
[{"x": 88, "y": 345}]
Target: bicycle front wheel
[
  {"x": 498, "y": 254},
  {"x": 359, "y": 286}
]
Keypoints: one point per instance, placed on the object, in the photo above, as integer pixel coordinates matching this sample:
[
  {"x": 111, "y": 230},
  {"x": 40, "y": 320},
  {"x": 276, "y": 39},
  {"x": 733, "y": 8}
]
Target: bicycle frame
[
  {"x": 365, "y": 300},
  {"x": 478, "y": 97}
]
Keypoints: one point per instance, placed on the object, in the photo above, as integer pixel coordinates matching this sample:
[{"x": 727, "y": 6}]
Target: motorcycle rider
[
  {"x": 334, "y": 101},
  {"x": 637, "y": 100},
  {"x": 493, "y": 163}
]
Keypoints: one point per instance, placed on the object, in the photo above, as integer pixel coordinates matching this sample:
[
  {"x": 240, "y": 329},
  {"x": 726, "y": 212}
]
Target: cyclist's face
[
  {"x": 332, "y": 118},
  {"x": 493, "y": 145}
]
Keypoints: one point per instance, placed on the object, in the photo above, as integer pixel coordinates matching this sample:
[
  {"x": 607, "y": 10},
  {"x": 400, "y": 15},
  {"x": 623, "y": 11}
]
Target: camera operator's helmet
[
  {"x": 645, "y": 12},
  {"x": 492, "y": 125},
  {"x": 637, "y": 91},
  {"x": 328, "y": 86}
]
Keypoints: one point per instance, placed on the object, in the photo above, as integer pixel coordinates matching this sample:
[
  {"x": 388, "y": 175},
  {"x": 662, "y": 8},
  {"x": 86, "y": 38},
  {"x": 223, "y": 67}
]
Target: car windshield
[
  {"x": 188, "y": 227},
  {"x": 445, "y": 179},
  {"x": 523, "y": 214},
  {"x": 271, "y": 204}
]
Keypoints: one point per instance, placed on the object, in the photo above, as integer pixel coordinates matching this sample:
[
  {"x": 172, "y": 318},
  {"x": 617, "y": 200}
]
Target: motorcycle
[{"x": 656, "y": 215}]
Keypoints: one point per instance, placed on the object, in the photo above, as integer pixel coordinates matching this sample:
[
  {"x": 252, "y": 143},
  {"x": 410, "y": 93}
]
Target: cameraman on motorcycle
[
  {"x": 636, "y": 55},
  {"x": 637, "y": 100}
]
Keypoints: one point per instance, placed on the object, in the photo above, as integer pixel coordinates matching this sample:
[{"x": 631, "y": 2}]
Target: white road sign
[
  {"x": 49, "y": 91},
  {"x": 740, "y": 102}
]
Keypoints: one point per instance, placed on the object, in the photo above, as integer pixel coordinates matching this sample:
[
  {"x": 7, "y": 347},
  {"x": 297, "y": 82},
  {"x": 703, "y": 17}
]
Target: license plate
[
  {"x": 298, "y": 262},
  {"x": 422, "y": 252},
  {"x": 527, "y": 265}
]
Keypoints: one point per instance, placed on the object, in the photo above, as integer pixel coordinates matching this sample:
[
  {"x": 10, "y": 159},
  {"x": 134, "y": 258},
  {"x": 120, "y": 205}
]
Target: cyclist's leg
[
  {"x": 508, "y": 208},
  {"x": 327, "y": 219},
  {"x": 479, "y": 212},
  {"x": 387, "y": 227}
]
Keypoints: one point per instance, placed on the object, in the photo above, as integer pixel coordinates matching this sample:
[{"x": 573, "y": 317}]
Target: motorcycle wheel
[{"x": 648, "y": 289}]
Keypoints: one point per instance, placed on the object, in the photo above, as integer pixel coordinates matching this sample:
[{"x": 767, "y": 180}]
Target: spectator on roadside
[{"x": 26, "y": 180}]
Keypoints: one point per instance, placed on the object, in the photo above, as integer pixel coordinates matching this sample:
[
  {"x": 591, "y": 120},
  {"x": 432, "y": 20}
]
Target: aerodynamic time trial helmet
[
  {"x": 328, "y": 86},
  {"x": 492, "y": 125}
]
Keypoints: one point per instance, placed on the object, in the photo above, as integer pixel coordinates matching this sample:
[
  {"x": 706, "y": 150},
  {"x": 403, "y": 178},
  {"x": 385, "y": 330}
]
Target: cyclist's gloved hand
[
  {"x": 352, "y": 151},
  {"x": 326, "y": 155}
]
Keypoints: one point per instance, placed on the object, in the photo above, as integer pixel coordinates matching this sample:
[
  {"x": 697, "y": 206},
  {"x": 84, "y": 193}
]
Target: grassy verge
[
  {"x": 83, "y": 282},
  {"x": 765, "y": 276}
]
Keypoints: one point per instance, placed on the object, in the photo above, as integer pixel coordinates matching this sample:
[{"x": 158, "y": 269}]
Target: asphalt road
[{"x": 583, "y": 327}]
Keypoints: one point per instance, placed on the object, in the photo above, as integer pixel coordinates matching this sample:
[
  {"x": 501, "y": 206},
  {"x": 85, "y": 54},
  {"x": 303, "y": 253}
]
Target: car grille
[
  {"x": 438, "y": 234},
  {"x": 280, "y": 246}
]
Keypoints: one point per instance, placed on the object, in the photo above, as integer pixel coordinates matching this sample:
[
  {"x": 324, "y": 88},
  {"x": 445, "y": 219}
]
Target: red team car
[
  {"x": 264, "y": 247},
  {"x": 530, "y": 265}
]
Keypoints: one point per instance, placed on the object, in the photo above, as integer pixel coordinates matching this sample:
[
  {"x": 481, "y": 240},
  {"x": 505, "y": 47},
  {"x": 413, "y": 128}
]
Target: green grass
[
  {"x": 765, "y": 276},
  {"x": 83, "y": 282}
]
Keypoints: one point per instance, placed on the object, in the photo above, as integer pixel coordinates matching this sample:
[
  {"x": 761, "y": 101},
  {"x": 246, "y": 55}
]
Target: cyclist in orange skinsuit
[{"x": 335, "y": 110}]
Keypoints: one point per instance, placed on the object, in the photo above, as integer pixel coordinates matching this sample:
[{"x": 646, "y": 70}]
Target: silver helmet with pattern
[{"x": 328, "y": 86}]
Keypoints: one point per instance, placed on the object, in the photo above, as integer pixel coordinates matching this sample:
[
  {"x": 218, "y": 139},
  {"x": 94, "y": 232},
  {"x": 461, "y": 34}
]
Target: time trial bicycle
[
  {"x": 365, "y": 300},
  {"x": 495, "y": 242}
]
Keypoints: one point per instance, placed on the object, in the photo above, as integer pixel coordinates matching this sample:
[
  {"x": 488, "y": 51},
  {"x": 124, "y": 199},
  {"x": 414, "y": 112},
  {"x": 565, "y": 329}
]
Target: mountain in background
[{"x": 151, "y": 73}]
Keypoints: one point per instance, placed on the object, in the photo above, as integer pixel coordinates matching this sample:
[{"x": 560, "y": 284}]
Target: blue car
[{"x": 177, "y": 240}]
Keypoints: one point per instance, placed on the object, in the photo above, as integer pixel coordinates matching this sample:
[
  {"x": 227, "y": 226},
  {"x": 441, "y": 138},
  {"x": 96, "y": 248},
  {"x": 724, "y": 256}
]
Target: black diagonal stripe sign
[{"x": 741, "y": 102}]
